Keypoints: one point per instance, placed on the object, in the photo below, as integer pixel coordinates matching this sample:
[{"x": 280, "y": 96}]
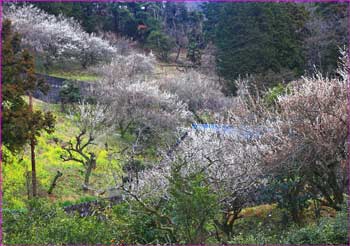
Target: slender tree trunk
[
  {"x": 87, "y": 176},
  {"x": 122, "y": 131},
  {"x": 178, "y": 54},
  {"x": 28, "y": 185},
  {"x": 295, "y": 214},
  {"x": 32, "y": 151},
  {"x": 53, "y": 184},
  {"x": 116, "y": 22},
  {"x": 197, "y": 117},
  {"x": 317, "y": 209},
  {"x": 63, "y": 107},
  {"x": 337, "y": 188}
]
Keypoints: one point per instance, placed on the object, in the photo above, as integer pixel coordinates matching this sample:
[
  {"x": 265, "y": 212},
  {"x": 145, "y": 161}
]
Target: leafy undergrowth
[
  {"x": 48, "y": 162},
  {"x": 46, "y": 223},
  {"x": 269, "y": 224}
]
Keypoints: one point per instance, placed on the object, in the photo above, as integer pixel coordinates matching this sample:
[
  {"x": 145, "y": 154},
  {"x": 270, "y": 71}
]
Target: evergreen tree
[
  {"x": 257, "y": 38},
  {"x": 161, "y": 43},
  {"x": 69, "y": 93},
  {"x": 21, "y": 124},
  {"x": 194, "y": 52}
]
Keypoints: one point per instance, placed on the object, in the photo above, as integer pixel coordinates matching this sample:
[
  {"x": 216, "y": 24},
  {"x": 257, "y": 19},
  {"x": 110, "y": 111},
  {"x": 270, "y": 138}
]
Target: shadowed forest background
[{"x": 147, "y": 123}]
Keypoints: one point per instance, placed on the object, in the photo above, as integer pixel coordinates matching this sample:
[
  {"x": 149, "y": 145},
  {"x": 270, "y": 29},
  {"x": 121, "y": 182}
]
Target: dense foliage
[
  {"x": 43, "y": 223},
  {"x": 275, "y": 42},
  {"x": 254, "y": 38},
  {"x": 20, "y": 123},
  {"x": 151, "y": 147},
  {"x": 57, "y": 39}
]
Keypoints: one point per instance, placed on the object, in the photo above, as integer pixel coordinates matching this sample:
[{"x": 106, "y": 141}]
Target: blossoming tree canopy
[{"x": 57, "y": 38}]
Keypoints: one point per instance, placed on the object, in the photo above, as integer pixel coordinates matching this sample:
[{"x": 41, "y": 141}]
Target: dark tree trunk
[
  {"x": 90, "y": 165},
  {"x": 228, "y": 220},
  {"x": 295, "y": 214},
  {"x": 32, "y": 152},
  {"x": 28, "y": 184},
  {"x": 178, "y": 54},
  {"x": 87, "y": 177},
  {"x": 63, "y": 106},
  {"x": 53, "y": 184}
]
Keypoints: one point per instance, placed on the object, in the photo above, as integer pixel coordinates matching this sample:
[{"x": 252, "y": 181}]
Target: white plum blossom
[
  {"x": 57, "y": 37},
  {"x": 201, "y": 92},
  {"x": 89, "y": 117},
  {"x": 131, "y": 68},
  {"x": 135, "y": 99},
  {"x": 307, "y": 131},
  {"x": 229, "y": 164}
]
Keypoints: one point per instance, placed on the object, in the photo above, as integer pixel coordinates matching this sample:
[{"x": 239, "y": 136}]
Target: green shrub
[
  {"x": 193, "y": 207},
  {"x": 328, "y": 230},
  {"x": 160, "y": 42},
  {"x": 44, "y": 223},
  {"x": 289, "y": 192},
  {"x": 272, "y": 94},
  {"x": 254, "y": 230}
]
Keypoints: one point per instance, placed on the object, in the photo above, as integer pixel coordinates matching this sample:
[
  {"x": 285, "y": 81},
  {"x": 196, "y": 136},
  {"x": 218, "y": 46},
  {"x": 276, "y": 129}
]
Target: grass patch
[
  {"x": 67, "y": 70},
  {"x": 75, "y": 75},
  {"x": 258, "y": 211},
  {"x": 48, "y": 162}
]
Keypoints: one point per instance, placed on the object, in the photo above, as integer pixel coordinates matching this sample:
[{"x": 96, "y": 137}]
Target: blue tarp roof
[
  {"x": 216, "y": 127},
  {"x": 245, "y": 132}
]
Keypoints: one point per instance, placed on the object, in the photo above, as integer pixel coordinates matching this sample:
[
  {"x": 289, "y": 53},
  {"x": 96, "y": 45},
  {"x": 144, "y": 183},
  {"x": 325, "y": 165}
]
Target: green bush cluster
[
  {"x": 289, "y": 192},
  {"x": 327, "y": 230},
  {"x": 44, "y": 223},
  {"x": 271, "y": 96}
]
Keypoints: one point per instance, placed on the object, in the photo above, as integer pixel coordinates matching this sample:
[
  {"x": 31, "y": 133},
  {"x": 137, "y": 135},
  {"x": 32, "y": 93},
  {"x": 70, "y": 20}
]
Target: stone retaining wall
[
  {"x": 55, "y": 85},
  {"x": 89, "y": 208}
]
